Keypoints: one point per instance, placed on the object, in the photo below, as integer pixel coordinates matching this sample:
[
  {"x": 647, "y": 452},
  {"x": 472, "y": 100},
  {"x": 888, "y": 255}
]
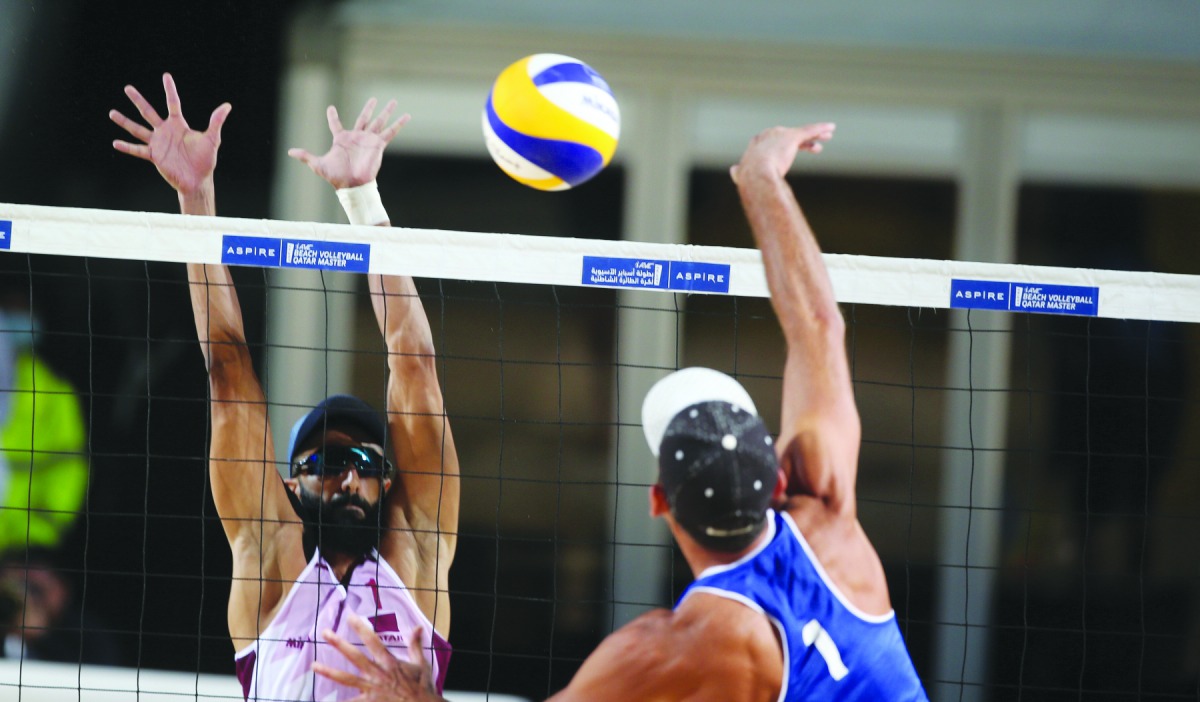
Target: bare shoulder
[
  {"x": 645, "y": 643},
  {"x": 735, "y": 649},
  {"x": 710, "y": 648}
]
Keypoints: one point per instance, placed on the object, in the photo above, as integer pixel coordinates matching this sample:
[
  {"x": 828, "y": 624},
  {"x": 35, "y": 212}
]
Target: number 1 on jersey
[{"x": 814, "y": 633}]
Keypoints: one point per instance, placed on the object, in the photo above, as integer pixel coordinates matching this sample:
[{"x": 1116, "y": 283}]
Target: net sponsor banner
[
  {"x": 625, "y": 272},
  {"x": 326, "y": 255},
  {"x": 1079, "y": 300},
  {"x": 684, "y": 276},
  {"x": 250, "y": 250},
  {"x": 517, "y": 258},
  {"x": 694, "y": 276},
  {"x": 295, "y": 253}
]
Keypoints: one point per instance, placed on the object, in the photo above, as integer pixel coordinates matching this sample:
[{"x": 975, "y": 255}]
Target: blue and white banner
[
  {"x": 326, "y": 255},
  {"x": 1025, "y": 297},
  {"x": 295, "y": 253},
  {"x": 625, "y": 272},
  {"x": 250, "y": 251},
  {"x": 699, "y": 277},
  {"x": 685, "y": 276}
]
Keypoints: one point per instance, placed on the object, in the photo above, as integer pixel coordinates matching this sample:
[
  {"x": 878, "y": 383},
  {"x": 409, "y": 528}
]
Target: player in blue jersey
[{"x": 790, "y": 600}]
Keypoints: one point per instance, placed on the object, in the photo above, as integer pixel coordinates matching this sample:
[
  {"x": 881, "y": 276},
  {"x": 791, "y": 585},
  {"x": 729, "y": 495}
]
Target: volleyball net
[{"x": 1026, "y": 467}]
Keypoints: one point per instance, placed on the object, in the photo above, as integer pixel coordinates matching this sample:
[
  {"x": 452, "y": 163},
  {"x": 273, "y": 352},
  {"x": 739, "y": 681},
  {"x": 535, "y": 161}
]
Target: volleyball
[{"x": 551, "y": 122}]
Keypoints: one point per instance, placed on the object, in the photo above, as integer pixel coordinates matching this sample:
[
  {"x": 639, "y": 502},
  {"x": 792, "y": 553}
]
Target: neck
[
  {"x": 700, "y": 559},
  {"x": 341, "y": 563}
]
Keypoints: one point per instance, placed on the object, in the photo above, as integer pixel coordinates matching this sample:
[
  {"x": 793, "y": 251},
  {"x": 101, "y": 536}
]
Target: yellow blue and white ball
[{"x": 551, "y": 122}]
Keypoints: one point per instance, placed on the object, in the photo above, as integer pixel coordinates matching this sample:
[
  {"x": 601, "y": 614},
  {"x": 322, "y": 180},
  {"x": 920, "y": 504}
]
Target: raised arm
[
  {"x": 820, "y": 428},
  {"x": 247, "y": 492},
  {"x": 423, "y": 502},
  {"x": 426, "y": 490}
]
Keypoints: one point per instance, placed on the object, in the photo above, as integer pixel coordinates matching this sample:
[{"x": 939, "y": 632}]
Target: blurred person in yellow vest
[{"x": 43, "y": 467}]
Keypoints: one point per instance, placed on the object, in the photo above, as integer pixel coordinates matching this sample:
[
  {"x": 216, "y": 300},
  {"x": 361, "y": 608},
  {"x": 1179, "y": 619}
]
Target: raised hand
[
  {"x": 184, "y": 157},
  {"x": 356, "y": 154},
  {"x": 381, "y": 677},
  {"x": 773, "y": 150}
]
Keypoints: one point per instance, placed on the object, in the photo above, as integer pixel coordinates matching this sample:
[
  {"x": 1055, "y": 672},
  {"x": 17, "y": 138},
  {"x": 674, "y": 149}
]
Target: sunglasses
[{"x": 334, "y": 460}]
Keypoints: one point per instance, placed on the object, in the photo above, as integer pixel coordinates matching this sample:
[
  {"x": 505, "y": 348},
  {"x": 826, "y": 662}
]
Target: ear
[
  {"x": 779, "y": 494},
  {"x": 292, "y": 484},
  {"x": 658, "y": 501},
  {"x": 387, "y": 485}
]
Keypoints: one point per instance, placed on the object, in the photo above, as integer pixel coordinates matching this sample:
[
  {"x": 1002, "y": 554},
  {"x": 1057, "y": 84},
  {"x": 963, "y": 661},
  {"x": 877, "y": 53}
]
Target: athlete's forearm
[
  {"x": 801, "y": 291},
  {"x": 218, "y": 316},
  {"x": 214, "y": 299},
  {"x": 400, "y": 315}
]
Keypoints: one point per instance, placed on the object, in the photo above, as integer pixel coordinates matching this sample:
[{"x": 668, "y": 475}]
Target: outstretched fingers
[
  {"x": 340, "y": 677},
  {"x": 365, "y": 116},
  {"x": 174, "y": 107},
  {"x": 390, "y": 133},
  {"x": 774, "y": 150},
  {"x": 371, "y": 640},
  {"x": 812, "y": 136},
  {"x": 217, "y": 120},
  {"x": 137, "y": 131},
  {"x": 350, "y": 651},
  {"x": 335, "y": 123},
  {"x": 147, "y": 112},
  {"x": 305, "y": 157},
  {"x": 382, "y": 118},
  {"x": 141, "y": 151}
]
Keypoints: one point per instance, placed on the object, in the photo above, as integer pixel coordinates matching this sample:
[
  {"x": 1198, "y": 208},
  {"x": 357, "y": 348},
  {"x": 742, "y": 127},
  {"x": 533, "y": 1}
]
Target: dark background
[
  {"x": 78, "y": 57},
  {"x": 121, "y": 331}
]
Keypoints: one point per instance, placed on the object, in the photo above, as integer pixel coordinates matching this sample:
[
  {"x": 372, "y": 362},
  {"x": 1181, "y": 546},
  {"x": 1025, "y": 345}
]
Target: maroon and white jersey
[{"x": 278, "y": 666}]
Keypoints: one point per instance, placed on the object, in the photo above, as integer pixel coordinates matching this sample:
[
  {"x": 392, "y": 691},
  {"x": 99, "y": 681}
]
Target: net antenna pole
[
  {"x": 656, "y": 193},
  {"x": 975, "y": 416},
  {"x": 309, "y": 314}
]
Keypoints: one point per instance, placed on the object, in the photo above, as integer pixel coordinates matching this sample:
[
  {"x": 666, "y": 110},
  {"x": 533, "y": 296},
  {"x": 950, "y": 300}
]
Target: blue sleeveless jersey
[{"x": 832, "y": 651}]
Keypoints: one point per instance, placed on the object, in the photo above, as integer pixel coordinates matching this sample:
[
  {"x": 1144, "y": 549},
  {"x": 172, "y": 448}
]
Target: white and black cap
[{"x": 716, "y": 460}]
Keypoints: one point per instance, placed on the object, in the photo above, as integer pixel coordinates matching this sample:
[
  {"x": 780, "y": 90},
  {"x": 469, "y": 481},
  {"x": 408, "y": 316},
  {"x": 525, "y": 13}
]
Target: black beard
[{"x": 334, "y": 528}]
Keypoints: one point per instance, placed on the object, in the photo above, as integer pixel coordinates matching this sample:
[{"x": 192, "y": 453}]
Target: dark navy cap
[{"x": 338, "y": 410}]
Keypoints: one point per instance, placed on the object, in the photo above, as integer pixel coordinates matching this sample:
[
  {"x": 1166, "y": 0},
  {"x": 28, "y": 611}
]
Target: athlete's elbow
[
  {"x": 827, "y": 321},
  {"x": 227, "y": 358},
  {"x": 823, "y": 326},
  {"x": 230, "y": 371},
  {"x": 413, "y": 361},
  {"x": 409, "y": 336}
]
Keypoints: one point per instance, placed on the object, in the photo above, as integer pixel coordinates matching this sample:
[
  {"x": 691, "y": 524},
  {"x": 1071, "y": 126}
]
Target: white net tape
[{"x": 518, "y": 258}]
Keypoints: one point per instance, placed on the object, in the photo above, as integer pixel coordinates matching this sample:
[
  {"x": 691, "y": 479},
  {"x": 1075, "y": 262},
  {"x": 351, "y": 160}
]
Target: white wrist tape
[{"x": 363, "y": 204}]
